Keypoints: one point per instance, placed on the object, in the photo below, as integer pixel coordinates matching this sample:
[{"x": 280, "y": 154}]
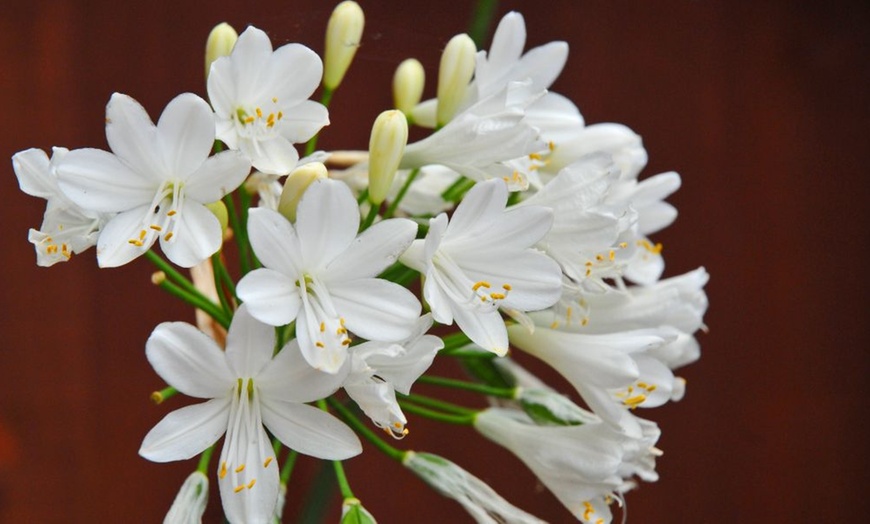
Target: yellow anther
[
  {"x": 155, "y": 227},
  {"x": 585, "y": 321},
  {"x": 612, "y": 255},
  {"x": 268, "y": 461},
  {"x": 280, "y": 115},
  {"x": 651, "y": 388},
  {"x": 341, "y": 321},
  {"x": 168, "y": 236},
  {"x": 251, "y": 483},
  {"x": 568, "y": 313},
  {"x": 506, "y": 287},
  {"x": 483, "y": 299},
  {"x": 135, "y": 242},
  {"x": 171, "y": 213},
  {"x": 480, "y": 284},
  {"x": 223, "y": 471},
  {"x": 51, "y": 249},
  {"x": 633, "y": 402},
  {"x": 240, "y": 469},
  {"x": 654, "y": 249},
  {"x": 497, "y": 296},
  {"x": 249, "y": 120},
  {"x": 238, "y": 488},
  {"x": 550, "y": 145},
  {"x": 274, "y": 100},
  {"x": 142, "y": 234},
  {"x": 318, "y": 343},
  {"x": 588, "y": 264},
  {"x": 259, "y": 112},
  {"x": 642, "y": 385},
  {"x": 340, "y": 331},
  {"x": 322, "y": 327},
  {"x": 554, "y": 325},
  {"x": 397, "y": 425},
  {"x": 588, "y": 272},
  {"x": 534, "y": 156},
  {"x": 599, "y": 521},
  {"x": 599, "y": 258},
  {"x": 623, "y": 245},
  {"x": 345, "y": 342}
]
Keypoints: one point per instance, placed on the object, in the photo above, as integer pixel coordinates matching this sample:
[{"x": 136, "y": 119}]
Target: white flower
[
  {"x": 260, "y": 99},
  {"x": 379, "y": 369},
  {"x": 479, "y": 500},
  {"x": 189, "y": 504},
  {"x": 482, "y": 261},
  {"x": 66, "y": 227},
  {"x": 579, "y": 464},
  {"x": 157, "y": 178},
  {"x": 249, "y": 389},
  {"x": 320, "y": 273}
]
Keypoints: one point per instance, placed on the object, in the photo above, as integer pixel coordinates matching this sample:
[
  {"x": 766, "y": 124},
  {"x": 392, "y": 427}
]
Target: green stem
[
  {"x": 238, "y": 232},
  {"x": 219, "y": 271},
  {"x": 341, "y": 477},
  {"x": 391, "y": 210},
  {"x": 364, "y": 430},
  {"x": 198, "y": 301},
  {"x": 468, "y": 353},
  {"x": 171, "y": 272},
  {"x": 437, "y": 404},
  {"x": 481, "y": 20},
  {"x": 158, "y": 397},
  {"x": 455, "y": 341},
  {"x": 363, "y": 196},
  {"x": 462, "y": 420},
  {"x": 289, "y": 464},
  {"x": 370, "y": 218},
  {"x": 468, "y": 386},
  {"x": 325, "y": 100},
  {"x": 204, "y": 460},
  {"x": 457, "y": 190}
]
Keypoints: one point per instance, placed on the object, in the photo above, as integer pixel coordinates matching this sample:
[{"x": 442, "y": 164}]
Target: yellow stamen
[
  {"x": 240, "y": 469},
  {"x": 168, "y": 236},
  {"x": 223, "y": 471},
  {"x": 171, "y": 213},
  {"x": 238, "y": 488},
  {"x": 480, "y": 284},
  {"x": 155, "y": 227},
  {"x": 267, "y": 462},
  {"x": 497, "y": 296},
  {"x": 318, "y": 343},
  {"x": 251, "y": 483}
]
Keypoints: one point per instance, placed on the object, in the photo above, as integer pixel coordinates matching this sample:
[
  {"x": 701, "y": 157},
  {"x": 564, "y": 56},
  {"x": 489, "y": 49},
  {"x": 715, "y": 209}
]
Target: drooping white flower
[
  {"x": 321, "y": 274},
  {"x": 479, "y": 500},
  {"x": 157, "y": 178},
  {"x": 249, "y": 391},
  {"x": 66, "y": 227},
  {"x": 482, "y": 260},
  {"x": 379, "y": 369},
  {"x": 260, "y": 100},
  {"x": 189, "y": 504},
  {"x": 579, "y": 464}
]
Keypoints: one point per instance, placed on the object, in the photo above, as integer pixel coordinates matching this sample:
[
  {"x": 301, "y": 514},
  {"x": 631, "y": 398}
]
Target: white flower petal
[
  {"x": 484, "y": 328},
  {"x": 249, "y": 491},
  {"x": 197, "y": 236},
  {"x": 100, "y": 181},
  {"x": 217, "y": 176},
  {"x": 186, "y": 134},
  {"x": 275, "y": 242},
  {"x": 34, "y": 174},
  {"x": 274, "y": 155},
  {"x": 373, "y": 251},
  {"x": 186, "y": 432},
  {"x": 327, "y": 221},
  {"x": 271, "y": 296},
  {"x": 376, "y": 309},
  {"x": 113, "y": 245},
  {"x": 289, "y": 377},
  {"x": 296, "y": 62},
  {"x": 250, "y": 344},
  {"x": 482, "y": 206},
  {"x": 134, "y": 138},
  {"x": 189, "y": 360},
  {"x": 303, "y": 121},
  {"x": 309, "y": 430}
]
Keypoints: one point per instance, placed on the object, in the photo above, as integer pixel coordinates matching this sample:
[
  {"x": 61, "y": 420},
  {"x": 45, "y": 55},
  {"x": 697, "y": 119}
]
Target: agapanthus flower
[
  {"x": 158, "y": 179},
  {"x": 189, "y": 505},
  {"x": 379, "y": 369},
  {"x": 260, "y": 100},
  {"x": 321, "y": 274},
  {"x": 482, "y": 260},
  {"x": 66, "y": 228},
  {"x": 250, "y": 390}
]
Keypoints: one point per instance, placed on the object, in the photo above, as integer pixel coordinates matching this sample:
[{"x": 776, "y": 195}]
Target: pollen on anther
[
  {"x": 251, "y": 483},
  {"x": 322, "y": 327},
  {"x": 506, "y": 287},
  {"x": 267, "y": 462},
  {"x": 274, "y": 100},
  {"x": 240, "y": 469},
  {"x": 155, "y": 227},
  {"x": 223, "y": 471},
  {"x": 497, "y": 296},
  {"x": 171, "y": 213},
  {"x": 135, "y": 242},
  {"x": 168, "y": 236},
  {"x": 259, "y": 112},
  {"x": 142, "y": 234},
  {"x": 238, "y": 488},
  {"x": 249, "y": 120},
  {"x": 480, "y": 284},
  {"x": 319, "y": 344},
  {"x": 345, "y": 342}
]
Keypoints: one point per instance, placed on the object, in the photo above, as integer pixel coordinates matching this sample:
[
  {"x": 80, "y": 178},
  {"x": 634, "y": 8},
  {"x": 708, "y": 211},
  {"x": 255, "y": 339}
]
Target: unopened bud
[
  {"x": 343, "y": 33},
  {"x": 219, "y": 210},
  {"x": 386, "y": 146},
  {"x": 454, "y": 74},
  {"x": 408, "y": 82},
  {"x": 296, "y": 184},
  {"x": 220, "y": 43},
  {"x": 353, "y": 512},
  {"x": 189, "y": 504}
]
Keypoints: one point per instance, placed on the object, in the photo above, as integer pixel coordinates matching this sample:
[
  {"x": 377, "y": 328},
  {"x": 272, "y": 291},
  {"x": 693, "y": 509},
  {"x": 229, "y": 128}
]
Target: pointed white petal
[
  {"x": 100, "y": 181},
  {"x": 186, "y": 134},
  {"x": 134, "y": 138},
  {"x": 217, "y": 176},
  {"x": 296, "y": 62},
  {"x": 274, "y": 155},
  {"x": 250, "y": 344},
  {"x": 482, "y": 206},
  {"x": 373, "y": 251},
  {"x": 188, "y": 360},
  {"x": 249, "y": 490},
  {"x": 113, "y": 246},
  {"x": 275, "y": 242},
  {"x": 34, "y": 174},
  {"x": 327, "y": 221},
  {"x": 376, "y": 309},
  {"x": 289, "y": 377},
  {"x": 186, "y": 432},
  {"x": 303, "y": 121},
  {"x": 309, "y": 430},
  {"x": 249, "y": 58},
  {"x": 484, "y": 328},
  {"x": 271, "y": 296},
  {"x": 197, "y": 236}
]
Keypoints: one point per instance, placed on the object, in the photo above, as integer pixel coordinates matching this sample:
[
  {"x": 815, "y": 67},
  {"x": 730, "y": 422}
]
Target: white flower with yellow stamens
[
  {"x": 157, "y": 178},
  {"x": 249, "y": 391},
  {"x": 321, "y": 274},
  {"x": 260, "y": 100},
  {"x": 483, "y": 260}
]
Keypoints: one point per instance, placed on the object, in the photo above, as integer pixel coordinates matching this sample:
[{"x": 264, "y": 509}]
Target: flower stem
[
  {"x": 341, "y": 477},
  {"x": 480, "y": 21},
  {"x": 287, "y": 468},
  {"x": 457, "y": 190},
  {"x": 391, "y": 210},
  {"x": 455, "y": 341},
  {"x": 461, "y": 420},
  {"x": 220, "y": 279},
  {"x": 437, "y": 404},
  {"x": 158, "y": 397},
  {"x": 370, "y": 218},
  {"x": 196, "y": 300},
  {"x": 204, "y": 460},
  {"x": 171, "y": 272},
  {"x": 364, "y": 430},
  {"x": 468, "y": 386}
]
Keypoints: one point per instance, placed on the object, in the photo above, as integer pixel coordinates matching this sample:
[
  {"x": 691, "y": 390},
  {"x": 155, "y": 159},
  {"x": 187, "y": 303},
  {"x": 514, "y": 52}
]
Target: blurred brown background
[{"x": 761, "y": 106}]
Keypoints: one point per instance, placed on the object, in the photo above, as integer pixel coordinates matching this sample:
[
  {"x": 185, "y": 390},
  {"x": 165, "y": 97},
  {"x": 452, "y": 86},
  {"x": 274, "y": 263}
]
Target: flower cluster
[{"x": 527, "y": 228}]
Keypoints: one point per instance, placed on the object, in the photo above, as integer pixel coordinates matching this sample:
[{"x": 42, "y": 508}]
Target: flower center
[
  {"x": 462, "y": 290},
  {"x": 325, "y": 328},
  {"x": 256, "y": 122},
  {"x": 246, "y": 441},
  {"x": 163, "y": 216}
]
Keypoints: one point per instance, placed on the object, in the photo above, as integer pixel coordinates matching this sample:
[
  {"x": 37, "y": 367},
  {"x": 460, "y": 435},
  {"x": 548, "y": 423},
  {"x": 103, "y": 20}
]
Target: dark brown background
[{"x": 761, "y": 106}]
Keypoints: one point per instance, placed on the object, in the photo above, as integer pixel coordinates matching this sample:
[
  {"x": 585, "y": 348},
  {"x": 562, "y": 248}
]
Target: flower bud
[
  {"x": 386, "y": 146},
  {"x": 189, "y": 504},
  {"x": 219, "y": 210},
  {"x": 353, "y": 512},
  {"x": 548, "y": 408},
  {"x": 296, "y": 184},
  {"x": 454, "y": 74},
  {"x": 220, "y": 43},
  {"x": 343, "y": 33},
  {"x": 408, "y": 82}
]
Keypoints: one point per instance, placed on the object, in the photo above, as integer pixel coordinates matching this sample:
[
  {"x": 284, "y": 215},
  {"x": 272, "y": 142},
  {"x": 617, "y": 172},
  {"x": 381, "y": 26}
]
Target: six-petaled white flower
[{"x": 249, "y": 390}]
